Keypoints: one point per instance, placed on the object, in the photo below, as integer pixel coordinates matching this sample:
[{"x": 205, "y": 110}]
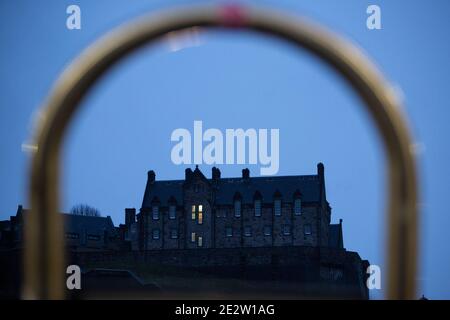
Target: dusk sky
[{"x": 232, "y": 80}]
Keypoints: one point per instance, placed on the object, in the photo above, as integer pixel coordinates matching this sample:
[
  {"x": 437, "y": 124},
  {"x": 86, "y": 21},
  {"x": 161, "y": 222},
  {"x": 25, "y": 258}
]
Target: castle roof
[
  {"x": 88, "y": 224},
  {"x": 78, "y": 223},
  {"x": 308, "y": 186}
]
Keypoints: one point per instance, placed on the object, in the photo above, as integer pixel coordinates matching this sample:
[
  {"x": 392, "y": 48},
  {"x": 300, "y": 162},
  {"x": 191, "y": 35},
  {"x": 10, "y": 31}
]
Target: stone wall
[{"x": 321, "y": 266}]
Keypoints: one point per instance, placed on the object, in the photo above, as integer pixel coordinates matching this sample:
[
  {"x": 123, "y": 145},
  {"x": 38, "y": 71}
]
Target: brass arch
[{"x": 44, "y": 258}]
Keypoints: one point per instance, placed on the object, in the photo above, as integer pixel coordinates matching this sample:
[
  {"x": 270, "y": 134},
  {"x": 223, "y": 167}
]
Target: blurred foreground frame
[{"x": 44, "y": 271}]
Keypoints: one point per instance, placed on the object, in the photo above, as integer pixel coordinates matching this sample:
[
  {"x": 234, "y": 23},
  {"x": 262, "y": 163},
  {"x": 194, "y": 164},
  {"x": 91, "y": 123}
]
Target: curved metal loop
[{"x": 44, "y": 251}]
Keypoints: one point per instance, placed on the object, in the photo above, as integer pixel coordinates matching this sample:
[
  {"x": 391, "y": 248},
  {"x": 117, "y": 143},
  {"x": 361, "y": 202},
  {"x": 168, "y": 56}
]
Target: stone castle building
[
  {"x": 198, "y": 212},
  {"x": 256, "y": 229}
]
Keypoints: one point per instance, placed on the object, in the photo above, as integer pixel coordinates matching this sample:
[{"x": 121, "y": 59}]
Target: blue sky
[{"x": 236, "y": 80}]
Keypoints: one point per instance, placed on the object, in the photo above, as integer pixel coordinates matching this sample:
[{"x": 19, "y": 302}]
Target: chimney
[
  {"x": 130, "y": 216},
  {"x": 245, "y": 173},
  {"x": 320, "y": 170},
  {"x": 215, "y": 173},
  {"x": 321, "y": 175},
  {"x": 187, "y": 173},
  {"x": 151, "y": 176}
]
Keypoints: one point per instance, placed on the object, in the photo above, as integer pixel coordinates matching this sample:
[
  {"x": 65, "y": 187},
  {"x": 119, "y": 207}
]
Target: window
[
  {"x": 197, "y": 211},
  {"x": 277, "y": 207},
  {"x": 155, "y": 212},
  {"x": 172, "y": 212},
  {"x": 93, "y": 237},
  {"x": 237, "y": 208},
  {"x": 71, "y": 235},
  {"x": 200, "y": 241},
  {"x": 307, "y": 229},
  {"x": 287, "y": 230},
  {"x": 248, "y": 231},
  {"x": 257, "y": 208},
  {"x": 174, "y": 234},
  {"x": 193, "y": 237},
  {"x": 155, "y": 234},
  {"x": 200, "y": 214},
  {"x": 267, "y": 230},
  {"x": 297, "y": 207},
  {"x": 193, "y": 212},
  {"x": 221, "y": 213},
  {"x": 229, "y": 231}
]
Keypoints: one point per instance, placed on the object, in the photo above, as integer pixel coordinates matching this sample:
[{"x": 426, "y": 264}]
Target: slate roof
[
  {"x": 307, "y": 185},
  {"x": 80, "y": 224},
  {"x": 91, "y": 225}
]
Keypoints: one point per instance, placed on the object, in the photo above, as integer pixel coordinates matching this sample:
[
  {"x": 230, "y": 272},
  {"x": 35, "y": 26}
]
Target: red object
[{"x": 233, "y": 15}]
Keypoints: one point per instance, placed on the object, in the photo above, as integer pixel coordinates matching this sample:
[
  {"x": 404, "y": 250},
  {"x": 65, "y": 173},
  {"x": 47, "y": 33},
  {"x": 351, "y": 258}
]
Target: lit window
[
  {"x": 172, "y": 212},
  {"x": 229, "y": 231},
  {"x": 257, "y": 208},
  {"x": 155, "y": 234},
  {"x": 200, "y": 214},
  {"x": 247, "y": 231},
  {"x": 297, "y": 207},
  {"x": 193, "y": 237},
  {"x": 237, "y": 208},
  {"x": 307, "y": 229},
  {"x": 277, "y": 207},
  {"x": 267, "y": 230},
  {"x": 193, "y": 213},
  {"x": 200, "y": 241},
  {"x": 286, "y": 230},
  {"x": 155, "y": 212},
  {"x": 174, "y": 234}
]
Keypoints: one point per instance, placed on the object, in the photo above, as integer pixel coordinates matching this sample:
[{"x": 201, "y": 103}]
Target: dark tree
[{"x": 85, "y": 210}]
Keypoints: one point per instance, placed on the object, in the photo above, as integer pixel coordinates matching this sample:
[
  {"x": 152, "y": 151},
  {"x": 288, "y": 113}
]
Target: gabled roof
[
  {"x": 163, "y": 190},
  {"x": 226, "y": 188}
]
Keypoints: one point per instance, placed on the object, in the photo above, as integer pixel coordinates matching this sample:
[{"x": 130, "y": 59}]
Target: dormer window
[
  {"x": 297, "y": 206},
  {"x": 237, "y": 208},
  {"x": 155, "y": 212},
  {"x": 277, "y": 207},
  {"x": 257, "y": 208},
  {"x": 172, "y": 212},
  {"x": 237, "y": 200}
]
